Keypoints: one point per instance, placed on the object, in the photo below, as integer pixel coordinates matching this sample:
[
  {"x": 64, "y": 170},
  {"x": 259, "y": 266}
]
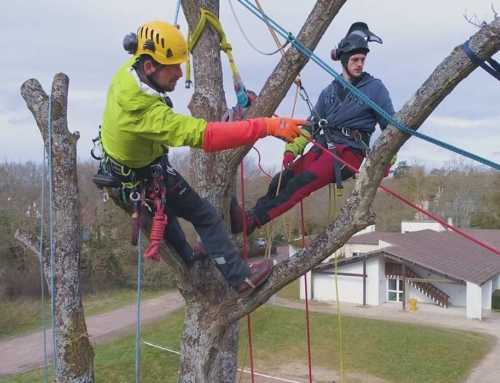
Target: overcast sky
[{"x": 84, "y": 40}]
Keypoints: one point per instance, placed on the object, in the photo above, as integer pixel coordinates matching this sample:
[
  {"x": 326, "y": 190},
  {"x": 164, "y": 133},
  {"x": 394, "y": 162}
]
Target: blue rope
[
  {"x": 177, "y": 10},
  {"x": 138, "y": 311},
  {"x": 361, "y": 96},
  {"x": 51, "y": 237},
  {"x": 494, "y": 69},
  {"x": 42, "y": 279}
]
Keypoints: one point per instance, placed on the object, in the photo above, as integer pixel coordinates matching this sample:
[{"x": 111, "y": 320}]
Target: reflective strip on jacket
[{"x": 138, "y": 126}]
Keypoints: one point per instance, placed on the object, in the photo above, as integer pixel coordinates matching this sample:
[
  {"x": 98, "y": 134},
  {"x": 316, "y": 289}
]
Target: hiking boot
[
  {"x": 236, "y": 215},
  {"x": 259, "y": 272},
  {"x": 199, "y": 252}
]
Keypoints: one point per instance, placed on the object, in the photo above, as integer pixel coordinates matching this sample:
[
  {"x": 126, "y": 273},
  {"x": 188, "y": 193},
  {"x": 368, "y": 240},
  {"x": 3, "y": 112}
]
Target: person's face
[
  {"x": 165, "y": 76},
  {"x": 356, "y": 64}
]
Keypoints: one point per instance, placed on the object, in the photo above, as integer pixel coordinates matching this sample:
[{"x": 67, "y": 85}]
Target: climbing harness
[
  {"x": 494, "y": 66},
  {"x": 207, "y": 17},
  {"x": 144, "y": 187},
  {"x": 360, "y": 95}
]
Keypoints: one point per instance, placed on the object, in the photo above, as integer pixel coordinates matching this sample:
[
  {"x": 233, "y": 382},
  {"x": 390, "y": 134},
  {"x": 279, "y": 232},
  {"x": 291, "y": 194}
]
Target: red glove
[{"x": 288, "y": 158}]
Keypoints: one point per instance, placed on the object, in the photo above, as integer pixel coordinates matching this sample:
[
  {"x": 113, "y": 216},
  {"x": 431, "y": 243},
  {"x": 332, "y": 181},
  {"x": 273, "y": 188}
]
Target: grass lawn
[
  {"x": 290, "y": 291},
  {"x": 392, "y": 351},
  {"x": 23, "y": 315}
]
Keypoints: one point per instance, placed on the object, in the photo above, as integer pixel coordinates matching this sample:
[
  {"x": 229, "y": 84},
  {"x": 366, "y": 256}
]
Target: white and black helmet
[{"x": 355, "y": 41}]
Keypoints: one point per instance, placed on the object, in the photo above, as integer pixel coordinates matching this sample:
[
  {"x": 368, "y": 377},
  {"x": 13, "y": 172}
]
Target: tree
[
  {"x": 73, "y": 354},
  {"x": 210, "y": 337}
]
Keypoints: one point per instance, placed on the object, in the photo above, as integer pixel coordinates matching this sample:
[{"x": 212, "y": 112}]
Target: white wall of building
[
  {"x": 351, "y": 288},
  {"x": 496, "y": 284},
  {"x": 302, "y": 287},
  {"x": 487, "y": 292},
  {"x": 474, "y": 300},
  {"x": 410, "y": 226},
  {"x": 456, "y": 292}
]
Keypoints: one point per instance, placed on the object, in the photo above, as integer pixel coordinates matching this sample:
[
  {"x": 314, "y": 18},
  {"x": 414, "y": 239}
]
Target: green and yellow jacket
[{"x": 138, "y": 126}]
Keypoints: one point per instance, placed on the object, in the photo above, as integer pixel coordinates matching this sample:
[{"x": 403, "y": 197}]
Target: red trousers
[{"x": 311, "y": 172}]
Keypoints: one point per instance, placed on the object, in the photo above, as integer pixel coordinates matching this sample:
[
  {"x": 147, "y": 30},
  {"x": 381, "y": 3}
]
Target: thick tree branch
[
  {"x": 290, "y": 65},
  {"x": 356, "y": 213}
]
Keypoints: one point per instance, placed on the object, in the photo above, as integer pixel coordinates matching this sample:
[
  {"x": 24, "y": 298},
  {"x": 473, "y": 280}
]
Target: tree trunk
[
  {"x": 210, "y": 348},
  {"x": 73, "y": 353},
  {"x": 210, "y": 337}
]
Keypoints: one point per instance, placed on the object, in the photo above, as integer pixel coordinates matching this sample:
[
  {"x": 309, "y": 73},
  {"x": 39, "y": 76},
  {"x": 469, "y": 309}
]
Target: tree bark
[
  {"x": 209, "y": 349},
  {"x": 73, "y": 353},
  {"x": 210, "y": 337}
]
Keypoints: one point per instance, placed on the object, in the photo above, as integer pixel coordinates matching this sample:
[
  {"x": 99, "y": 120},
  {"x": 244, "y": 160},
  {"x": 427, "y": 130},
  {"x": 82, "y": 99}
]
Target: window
[{"x": 395, "y": 290}]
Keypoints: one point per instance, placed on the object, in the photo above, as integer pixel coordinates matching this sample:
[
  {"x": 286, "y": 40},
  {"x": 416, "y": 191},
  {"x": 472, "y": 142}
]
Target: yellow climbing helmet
[{"x": 162, "y": 41}]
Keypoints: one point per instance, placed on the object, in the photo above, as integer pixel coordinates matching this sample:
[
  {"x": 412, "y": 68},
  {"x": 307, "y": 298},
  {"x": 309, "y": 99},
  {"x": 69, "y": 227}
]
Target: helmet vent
[
  {"x": 169, "y": 52},
  {"x": 149, "y": 45},
  {"x": 162, "y": 42},
  {"x": 157, "y": 38}
]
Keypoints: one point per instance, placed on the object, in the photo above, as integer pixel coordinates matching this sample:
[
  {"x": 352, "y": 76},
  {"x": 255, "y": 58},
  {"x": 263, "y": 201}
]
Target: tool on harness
[
  {"x": 137, "y": 191},
  {"x": 493, "y": 68},
  {"x": 156, "y": 193}
]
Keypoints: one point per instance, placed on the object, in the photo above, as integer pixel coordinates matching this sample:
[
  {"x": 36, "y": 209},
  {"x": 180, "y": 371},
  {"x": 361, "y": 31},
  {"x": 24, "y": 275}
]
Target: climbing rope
[
  {"x": 340, "y": 343},
  {"x": 42, "y": 278},
  {"x": 247, "y": 39},
  {"x": 306, "y": 293},
  {"x": 493, "y": 68},
  {"x": 360, "y": 95},
  {"x": 177, "y": 11},
  {"x": 51, "y": 236},
  {"x": 138, "y": 310},
  {"x": 245, "y": 257},
  {"x": 208, "y": 18},
  {"x": 411, "y": 204}
]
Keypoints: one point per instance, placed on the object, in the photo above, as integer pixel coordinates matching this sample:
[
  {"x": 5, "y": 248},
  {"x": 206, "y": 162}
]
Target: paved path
[
  {"x": 488, "y": 369},
  {"x": 26, "y": 352}
]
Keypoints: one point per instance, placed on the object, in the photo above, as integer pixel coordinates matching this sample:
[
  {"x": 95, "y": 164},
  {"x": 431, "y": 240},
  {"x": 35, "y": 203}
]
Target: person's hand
[
  {"x": 285, "y": 128},
  {"x": 288, "y": 158}
]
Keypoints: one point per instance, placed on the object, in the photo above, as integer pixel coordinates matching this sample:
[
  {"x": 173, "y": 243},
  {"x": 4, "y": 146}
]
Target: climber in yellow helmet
[{"x": 139, "y": 124}]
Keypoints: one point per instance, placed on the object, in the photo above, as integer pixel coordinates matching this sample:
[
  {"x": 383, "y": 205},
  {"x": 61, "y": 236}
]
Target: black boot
[{"x": 236, "y": 215}]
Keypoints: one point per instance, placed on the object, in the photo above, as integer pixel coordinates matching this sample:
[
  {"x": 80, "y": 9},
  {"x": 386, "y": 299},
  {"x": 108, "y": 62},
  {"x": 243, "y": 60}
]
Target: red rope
[
  {"x": 308, "y": 326},
  {"x": 411, "y": 204},
  {"x": 259, "y": 163},
  {"x": 245, "y": 257}
]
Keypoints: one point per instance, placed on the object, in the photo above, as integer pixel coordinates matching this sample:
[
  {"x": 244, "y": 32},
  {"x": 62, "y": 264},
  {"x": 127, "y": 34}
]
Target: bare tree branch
[
  {"x": 290, "y": 65},
  {"x": 356, "y": 213},
  {"x": 26, "y": 240}
]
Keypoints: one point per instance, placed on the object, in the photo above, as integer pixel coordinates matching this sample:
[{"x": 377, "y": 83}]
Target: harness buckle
[{"x": 322, "y": 123}]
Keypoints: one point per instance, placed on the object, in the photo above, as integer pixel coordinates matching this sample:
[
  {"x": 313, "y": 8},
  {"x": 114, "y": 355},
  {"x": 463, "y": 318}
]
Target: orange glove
[
  {"x": 285, "y": 128},
  {"x": 227, "y": 135}
]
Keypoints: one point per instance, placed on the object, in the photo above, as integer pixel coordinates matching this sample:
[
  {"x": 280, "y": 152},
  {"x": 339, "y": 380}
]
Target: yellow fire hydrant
[{"x": 412, "y": 304}]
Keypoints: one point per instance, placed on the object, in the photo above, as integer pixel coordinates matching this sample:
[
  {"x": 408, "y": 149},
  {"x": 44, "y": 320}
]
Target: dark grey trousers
[{"x": 182, "y": 201}]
